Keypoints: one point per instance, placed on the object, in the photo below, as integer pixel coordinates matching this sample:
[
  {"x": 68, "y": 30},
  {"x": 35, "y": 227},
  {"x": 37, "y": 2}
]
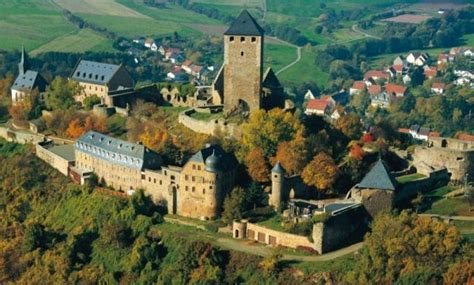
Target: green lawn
[
  {"x": 206, "y": 116},
  {"x": 336, "y": 266},
  {"x": 453, "y": 206},
  {"x": 305, "y": 70},
  {"x": 273, "y": 223},
  {"x": 468, "y": 40},
  {"x": 278, "y": 56},
  {"x": 409, "y": 178}
]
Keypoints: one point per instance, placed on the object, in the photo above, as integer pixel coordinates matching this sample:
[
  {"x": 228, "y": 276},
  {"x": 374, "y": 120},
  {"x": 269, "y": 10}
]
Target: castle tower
[
  {"x": 213, "y": 165},
  {"x": 278, "y": 187},
  {"x": 24, "y": 64},
  {"x": 243, "y": 64}
]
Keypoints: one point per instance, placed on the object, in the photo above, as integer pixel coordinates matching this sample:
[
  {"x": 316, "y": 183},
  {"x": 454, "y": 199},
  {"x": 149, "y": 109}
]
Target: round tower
[
  {"x": 213, "y": 165},
  {"x": 278, "y": 187}
]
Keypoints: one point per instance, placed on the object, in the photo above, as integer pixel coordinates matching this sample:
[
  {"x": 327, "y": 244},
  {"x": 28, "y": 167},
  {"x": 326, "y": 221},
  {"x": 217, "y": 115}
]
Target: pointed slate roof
[
  {"x": 270, "y": 80},
  {"x": 245, "y": 25},
  {"x": 278, "y": 168},
  {"x": 379, "y": 177},
  {"x": 24, "y": 64}
]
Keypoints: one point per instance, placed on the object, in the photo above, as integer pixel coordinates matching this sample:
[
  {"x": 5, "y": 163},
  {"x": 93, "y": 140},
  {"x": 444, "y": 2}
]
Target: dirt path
[
  {"x": 455, "y": 218},
  {"x": 258, "y": 249},
  {"x": 298, "y": 58}
]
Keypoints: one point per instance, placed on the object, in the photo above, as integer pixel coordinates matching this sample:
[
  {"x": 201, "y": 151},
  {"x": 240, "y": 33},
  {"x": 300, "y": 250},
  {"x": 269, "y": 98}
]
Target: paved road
[
  {"x": 365, "y": 34},
  {"x": 298, "y": 58},
  {"x": 261, "y": 250}
]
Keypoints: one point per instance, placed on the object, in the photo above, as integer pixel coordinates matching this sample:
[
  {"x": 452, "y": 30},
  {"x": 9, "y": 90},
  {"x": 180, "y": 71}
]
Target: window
[
  {"x": 161, "y": 182},
  {"x": 149, "y": 179},
  {"x": 242, "y": 39},
  {"x": 231, "y": 39},
  {"x": 192, "y": 178},
  {"x": 186, "y": 188},
  {"x": 193, "y": 189},
  {"x": 210, "y": 187},
  {"x": 194, "y": 167},
  {"x": 241, "y": 53},
  {"x": 199, "y": 167},
  {"x": 186, "y": 177},
  {"x": 254, "y": 39}
]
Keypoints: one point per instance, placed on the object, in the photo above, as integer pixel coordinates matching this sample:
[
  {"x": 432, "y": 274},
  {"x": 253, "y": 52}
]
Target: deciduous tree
[{"x": 321, "y": 172}]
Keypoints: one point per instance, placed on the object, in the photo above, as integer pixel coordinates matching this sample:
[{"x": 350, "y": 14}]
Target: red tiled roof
[
  {"x": 359, "y": 85},
  {"x": 434, "y": 134},
  {"x": 394, "y": 88},
  {"x": 443, "y": 56},
  {"x": 197, "y": 68},
  {"x": 403, "y": 130},
  {"x": 317, "y": 104},
  {"x": 398, "y": 67},
  {"x": 431, "y": 72},
  {"x": 375, "y": 89},
  {"x": 438, "y": 85},
  {"x": 376, "y": 73},
  {"x": 465, "y": 137}
]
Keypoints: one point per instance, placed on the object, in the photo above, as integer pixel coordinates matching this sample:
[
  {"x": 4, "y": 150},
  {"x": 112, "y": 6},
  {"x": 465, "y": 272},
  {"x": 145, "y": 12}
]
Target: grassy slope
[
  {"x": 305, "y": 70},
  {"x": 30, "y": 23}
]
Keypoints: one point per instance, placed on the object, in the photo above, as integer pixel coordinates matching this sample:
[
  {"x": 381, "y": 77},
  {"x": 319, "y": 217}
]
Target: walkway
[
  {"x": 250, "y": 247},
  {"x": 365, "y": 34},
  {"x": 455, "y": 218}
]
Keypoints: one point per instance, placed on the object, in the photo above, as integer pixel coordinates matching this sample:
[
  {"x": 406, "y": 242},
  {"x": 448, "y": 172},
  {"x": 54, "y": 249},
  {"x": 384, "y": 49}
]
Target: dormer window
[
  {"x": 96, "y": 77},
  {"x": 103, "y": 77},
  {"x": 84, "y": 75}
]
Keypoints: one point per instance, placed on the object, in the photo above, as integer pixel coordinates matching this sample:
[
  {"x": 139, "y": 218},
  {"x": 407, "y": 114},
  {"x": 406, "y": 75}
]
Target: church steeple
[{"x": 24, "y": 64}]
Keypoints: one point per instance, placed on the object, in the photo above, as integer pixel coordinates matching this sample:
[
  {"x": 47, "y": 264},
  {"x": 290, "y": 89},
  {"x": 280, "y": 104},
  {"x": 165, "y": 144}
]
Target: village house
[
  {"x": 150, "y": 44},
  {"x": 309, "y": 96},
  {"x": 395, "y": 70},
  {"x": 320, "y": 107},
  {"x": 395, "y": 90},
  {"x": 357, "y": 87},
  {"x": 444, "y": 58},
  {"x": 374, "y": 90},
  {"x": 438, "y": 88},
  {"x": 27, "y": 81},
  {"x": 417, "y": 58},
  {"x": 103, "y": 80},
  {"x": 431, "y": 72},
  {"x": 376, "y": 75},
  {"x": 400, "y": 61},
  {"x": 406, "y": 79}
]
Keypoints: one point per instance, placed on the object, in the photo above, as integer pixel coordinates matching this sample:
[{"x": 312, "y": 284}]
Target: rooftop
[
  {"x": 26, "y": 81},
  {"x": 94, "y": 72},
  {"x": 245, "y": 25},
  {"x": 379, "y": 177}
]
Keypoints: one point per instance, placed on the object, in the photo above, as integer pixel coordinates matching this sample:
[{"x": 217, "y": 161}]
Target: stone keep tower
[
  {"x": 278, "y": 187},
  {"x": 243, "y": 64}
]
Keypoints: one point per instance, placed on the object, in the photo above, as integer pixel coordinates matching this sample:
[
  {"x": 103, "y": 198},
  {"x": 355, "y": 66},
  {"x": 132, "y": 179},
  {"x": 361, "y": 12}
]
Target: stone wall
[
  {"x": 246, "y": 230},
  {"x": 21, "y": 137},
  {"x": 339, "y": 230},
  {"x": 457, "y": 162},
  {"x": 207, "y": 127},
  {"x": 57, "y": 162}
]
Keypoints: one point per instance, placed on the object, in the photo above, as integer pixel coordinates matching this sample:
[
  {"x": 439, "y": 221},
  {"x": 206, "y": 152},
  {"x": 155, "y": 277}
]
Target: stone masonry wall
[
  {"x": 281, "y": 238},
  {"x": 207, "y": 127}
]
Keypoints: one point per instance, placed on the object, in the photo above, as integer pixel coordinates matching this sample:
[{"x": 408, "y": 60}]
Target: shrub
[{"x": 321, "y": 218}]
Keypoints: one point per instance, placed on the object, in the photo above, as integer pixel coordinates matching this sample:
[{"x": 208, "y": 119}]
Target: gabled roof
[
  {"x": 376, "y": 74},
  {"x": 94, "y": 72},
  {"x": 318, "y": 104},
  {"x": 245, "y": 25},
  {"x": 375, "y": 89},
  {"x": 379, "y": 177},
  {"x": 116, "y": 150},
  {"x": 438, "y": 85},
  {"x": 270, "y": 80},
  {"x": 29, "y": 81}
]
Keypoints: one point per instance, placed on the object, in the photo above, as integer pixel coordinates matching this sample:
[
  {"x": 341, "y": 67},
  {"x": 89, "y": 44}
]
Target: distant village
[{"x": 198, "y": 188}]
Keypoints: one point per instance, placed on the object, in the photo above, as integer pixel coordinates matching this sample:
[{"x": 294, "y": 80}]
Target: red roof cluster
[
  {"x": 398, "y": 67},
  {"x": 432, "y": 72}
]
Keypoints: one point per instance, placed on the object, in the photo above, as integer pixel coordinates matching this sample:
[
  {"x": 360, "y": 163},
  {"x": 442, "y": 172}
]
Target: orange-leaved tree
[
  {"x": 257, "y": 166},
  {"x": 321, "y": 172},
  {"x": 293, "y": 155}
]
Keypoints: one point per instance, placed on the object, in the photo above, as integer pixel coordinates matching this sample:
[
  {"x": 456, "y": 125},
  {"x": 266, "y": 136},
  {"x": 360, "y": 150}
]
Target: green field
[
  {"x": 30, "y": 23},
  {"x": 305, "y": 70},
  {"x": 468, "y": 40},
  {"x": 77, "y": 41},
  {"x": 278, "y": 56}
]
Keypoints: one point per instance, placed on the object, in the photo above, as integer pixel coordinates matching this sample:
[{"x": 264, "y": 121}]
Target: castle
[
  {"x": 196, "y": 189},
  {"x": 241, "y": 83}
]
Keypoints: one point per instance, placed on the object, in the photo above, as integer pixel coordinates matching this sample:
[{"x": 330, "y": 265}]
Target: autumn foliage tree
[
  {"x": 78, "y": 127},
  {"x": 293, "y": 155},
  {"x": 257, "y": 165},
  {"x": 413, "y": 248},
  {"x": 350, "y": 125},
  {"x": 321, "y": 172}
]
